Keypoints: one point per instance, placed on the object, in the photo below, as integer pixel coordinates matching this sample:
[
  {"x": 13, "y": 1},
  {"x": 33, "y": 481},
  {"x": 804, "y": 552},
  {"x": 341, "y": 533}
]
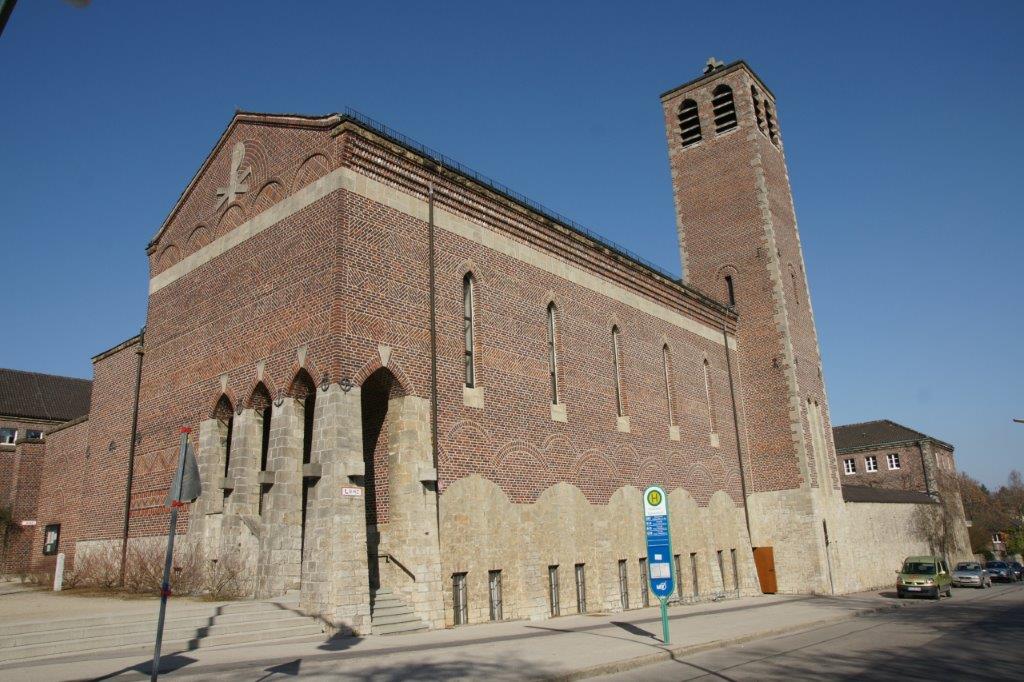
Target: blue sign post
[{"x": 659, "y": 551}]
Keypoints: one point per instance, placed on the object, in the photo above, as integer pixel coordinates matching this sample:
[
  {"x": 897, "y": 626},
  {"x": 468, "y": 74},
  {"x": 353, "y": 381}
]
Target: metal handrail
[{"x": 508, "y": 192}]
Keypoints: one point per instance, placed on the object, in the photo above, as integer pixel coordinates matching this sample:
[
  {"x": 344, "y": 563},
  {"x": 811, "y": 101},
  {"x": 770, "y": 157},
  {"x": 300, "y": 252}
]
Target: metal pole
[
  {"x": 165, "y": 585},
  {"x": 131, "y": 457},
  {"x": 664, "y": 619},
  {"x": 5, "y": 13}
]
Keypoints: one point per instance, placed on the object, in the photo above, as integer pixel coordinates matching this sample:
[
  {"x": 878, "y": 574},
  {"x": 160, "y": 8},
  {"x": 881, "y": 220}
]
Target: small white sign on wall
[{"x": 351, "y": 492}]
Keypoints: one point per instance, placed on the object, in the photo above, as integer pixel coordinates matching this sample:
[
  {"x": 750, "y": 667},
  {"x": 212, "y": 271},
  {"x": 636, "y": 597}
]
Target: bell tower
[{"x": 738, "y": 241}]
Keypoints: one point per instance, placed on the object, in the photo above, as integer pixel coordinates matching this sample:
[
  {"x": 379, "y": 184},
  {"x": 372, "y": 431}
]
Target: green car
[{"x": 924, "y": 576}]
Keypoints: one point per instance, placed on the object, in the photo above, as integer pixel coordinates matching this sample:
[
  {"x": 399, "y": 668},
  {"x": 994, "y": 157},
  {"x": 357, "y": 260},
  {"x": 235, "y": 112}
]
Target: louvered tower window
[
  {"x": 689, "y": 123},
  {"x": 770, "y": 120},
  {"x": 755, "y": 100},
  {"x": 724, "y": 108}
]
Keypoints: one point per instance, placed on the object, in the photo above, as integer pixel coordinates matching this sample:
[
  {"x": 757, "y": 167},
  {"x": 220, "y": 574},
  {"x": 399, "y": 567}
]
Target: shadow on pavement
[{"x": 168, "y": 664}]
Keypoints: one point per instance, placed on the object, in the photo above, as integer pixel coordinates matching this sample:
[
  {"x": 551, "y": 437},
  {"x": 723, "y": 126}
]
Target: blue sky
[{"x": 901, "y": 123}]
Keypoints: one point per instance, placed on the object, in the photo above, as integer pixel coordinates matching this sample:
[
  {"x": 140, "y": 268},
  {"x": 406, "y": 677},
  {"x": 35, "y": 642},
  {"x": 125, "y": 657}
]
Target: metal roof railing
[{"x": 506, "y": 191}]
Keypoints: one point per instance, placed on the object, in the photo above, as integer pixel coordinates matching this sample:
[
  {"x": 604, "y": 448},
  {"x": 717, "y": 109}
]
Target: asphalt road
[{"x": 978, "y": 634}]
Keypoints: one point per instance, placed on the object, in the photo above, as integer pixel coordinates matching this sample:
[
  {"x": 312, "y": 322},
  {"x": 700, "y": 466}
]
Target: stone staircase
[
  {"x": 186, "y": 628},
  {"x": 389, "y": 615}
]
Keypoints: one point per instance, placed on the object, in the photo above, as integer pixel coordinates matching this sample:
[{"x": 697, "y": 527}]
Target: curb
[{"x": 673, "y": 652}]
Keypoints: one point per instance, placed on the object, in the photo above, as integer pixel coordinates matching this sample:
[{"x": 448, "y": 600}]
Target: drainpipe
[
  {"x": 139, "y": 352},
  {"x": 433, "y": 352},
  {"x": 736, "y": 426}
]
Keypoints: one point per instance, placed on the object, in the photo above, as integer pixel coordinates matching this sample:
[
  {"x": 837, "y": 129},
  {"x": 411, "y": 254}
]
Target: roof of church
[
  {"x": 32, "y": 395},
  {"x": 867, "y": 493},
  {"x": 372, "y": 126},
  {"x": 876, "y": 434}
]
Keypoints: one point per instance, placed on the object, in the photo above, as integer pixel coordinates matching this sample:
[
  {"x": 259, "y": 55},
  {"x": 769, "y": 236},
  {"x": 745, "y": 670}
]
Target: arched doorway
[{"x": 377, "y": 390}]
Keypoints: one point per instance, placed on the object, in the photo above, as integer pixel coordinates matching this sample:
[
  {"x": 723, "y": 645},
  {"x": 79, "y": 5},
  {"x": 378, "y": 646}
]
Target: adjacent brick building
[
  {"x": 400, "y": 375},
  {"x": 31, "y": 405}
]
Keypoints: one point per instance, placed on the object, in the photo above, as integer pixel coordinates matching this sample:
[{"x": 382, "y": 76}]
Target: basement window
[
  {"x": 849, "y": 466},
  {"x": 581, "y": 588},
  {"x": 623, "y": 585},
  {"x": 894, "y": 460},
  {"x": 871, "y": 463},
  {"x": 494, "y": 589},
  {"x": 459, "y": 598},
  {"x": 645, "y": 592},
  {"x": 724, "y": 109},
  {"x": 689, "y": 123},
  {"x": 556, "y": 607}
]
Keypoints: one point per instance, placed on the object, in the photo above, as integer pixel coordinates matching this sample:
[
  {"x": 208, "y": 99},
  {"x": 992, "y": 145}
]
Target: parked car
[
  {"x": 971, "y": 574},
  {"x": 1000, "y": 570},
  {"x": 1018, "y": 568},
  {"x": 924, "y": 576}
]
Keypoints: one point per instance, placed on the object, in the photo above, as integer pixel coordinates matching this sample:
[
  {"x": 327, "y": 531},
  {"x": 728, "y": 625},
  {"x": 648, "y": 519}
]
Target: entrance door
[{"x": 764, "y": 560}]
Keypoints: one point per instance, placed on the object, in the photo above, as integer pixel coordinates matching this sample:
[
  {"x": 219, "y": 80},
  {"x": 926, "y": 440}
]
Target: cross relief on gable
[{"x": 236, "y": 180}]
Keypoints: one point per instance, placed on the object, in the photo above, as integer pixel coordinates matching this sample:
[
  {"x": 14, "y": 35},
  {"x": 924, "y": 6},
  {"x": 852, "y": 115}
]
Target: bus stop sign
[{"x": 659, "y": 544}]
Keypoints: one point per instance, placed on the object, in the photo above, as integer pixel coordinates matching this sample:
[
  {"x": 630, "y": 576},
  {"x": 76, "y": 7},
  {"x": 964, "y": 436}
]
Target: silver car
[{"x": 971, "y": 574}]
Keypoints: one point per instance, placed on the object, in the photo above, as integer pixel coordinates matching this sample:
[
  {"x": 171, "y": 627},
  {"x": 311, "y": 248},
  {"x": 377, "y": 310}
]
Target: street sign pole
[
  {"x": 661, "y": 574},
  {"x": 165, "y": 585}
]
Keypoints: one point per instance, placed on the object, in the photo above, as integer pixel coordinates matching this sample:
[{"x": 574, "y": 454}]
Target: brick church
[{"x": 402, "y": 378}]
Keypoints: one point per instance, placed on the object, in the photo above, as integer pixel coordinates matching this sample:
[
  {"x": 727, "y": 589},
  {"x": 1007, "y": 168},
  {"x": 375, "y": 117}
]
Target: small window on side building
[
  {"x": 51, "y": 539},
  {"x": 8, "y": 436},
  {"x": 849, "y": 466},
  {"x": 871, "y": 463},
  {"x": 894, "y": 460}
]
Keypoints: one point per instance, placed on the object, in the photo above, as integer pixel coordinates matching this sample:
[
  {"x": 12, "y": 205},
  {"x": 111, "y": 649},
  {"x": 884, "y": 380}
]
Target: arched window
[
  {"x": 618, "y": 378},
  {"x": 724, "y": 108},
  {"x": 261, "y": 403},
  {"x": 730, "y": 291},
  {"x": 689, "y": 122},
  {"x": 796, "y": 289},
  {"x": 755, "y": 100},
  {"x": 709, "y": 396},
  {"x": 552, "y": 354},
  {"x": 225, "y": 414},
  {"x": 770, "y": 119},
  {"x": 467, "y": 327},
  {"x": 666, "y": 368}
]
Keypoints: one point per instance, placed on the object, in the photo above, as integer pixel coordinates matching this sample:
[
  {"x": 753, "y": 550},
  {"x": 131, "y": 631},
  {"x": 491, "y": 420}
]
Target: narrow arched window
[
  {"x": 467, "y": 327},
  {"x": 666, "y": 368},
  {"x": 770, "y": 120},
  {"x": 796, "y": 288},
  {"x": 689, "y": 122},
  {"x": 756, "y": 101},
  {"x": 709, "y": 396},
  {"x": 730, "y": 291},
  {"x": 618, "y": 378},
  {"x": 225, "y": 415},
  {"x": 724, "y": 109},
  {"x": 552, "y": 354}
]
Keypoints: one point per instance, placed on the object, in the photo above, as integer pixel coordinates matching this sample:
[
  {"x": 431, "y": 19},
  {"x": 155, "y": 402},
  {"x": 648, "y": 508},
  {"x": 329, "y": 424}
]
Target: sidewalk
[{"x": 567, "y": 648}]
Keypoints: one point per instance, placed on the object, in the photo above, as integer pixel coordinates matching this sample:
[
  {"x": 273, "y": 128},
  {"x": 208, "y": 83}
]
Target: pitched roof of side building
[
  {"x": 31, "y": 395},
  {"x": 878, "y": 433}
]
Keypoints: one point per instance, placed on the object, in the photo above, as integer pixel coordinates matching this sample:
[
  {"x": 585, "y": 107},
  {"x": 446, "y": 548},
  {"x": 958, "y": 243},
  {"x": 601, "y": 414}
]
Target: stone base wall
[
  {"x": 879, "y": 536},
  {"x": 482, "y": 531}
]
